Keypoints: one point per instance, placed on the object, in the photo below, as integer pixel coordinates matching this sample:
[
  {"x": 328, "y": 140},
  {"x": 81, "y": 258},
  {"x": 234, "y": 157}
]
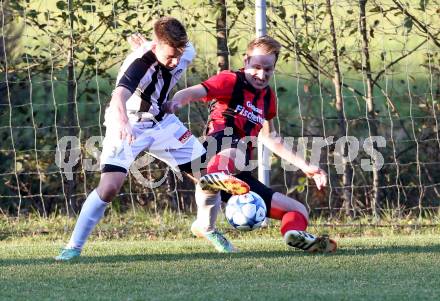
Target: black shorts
[
  {"x": 256, "y": 186},
  {"x": 204, "y": 159}
]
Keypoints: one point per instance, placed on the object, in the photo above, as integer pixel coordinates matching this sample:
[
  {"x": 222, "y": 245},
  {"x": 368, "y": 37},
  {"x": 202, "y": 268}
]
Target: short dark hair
[
  {"x": 269, "y": 44},
  {"x": 171, "y": 32}
]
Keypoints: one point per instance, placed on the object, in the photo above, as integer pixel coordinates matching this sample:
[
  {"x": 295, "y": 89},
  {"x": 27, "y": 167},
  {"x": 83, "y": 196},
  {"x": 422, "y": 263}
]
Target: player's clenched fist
[
  {"x": 317, "y": 174},
  {"x": 171, "y": 107}
]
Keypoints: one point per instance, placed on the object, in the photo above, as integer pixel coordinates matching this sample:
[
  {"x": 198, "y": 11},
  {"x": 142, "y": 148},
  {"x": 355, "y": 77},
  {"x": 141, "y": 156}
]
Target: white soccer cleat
[
  {"x": 310, "y": 243},
  {"x": 220, "y": 181}
]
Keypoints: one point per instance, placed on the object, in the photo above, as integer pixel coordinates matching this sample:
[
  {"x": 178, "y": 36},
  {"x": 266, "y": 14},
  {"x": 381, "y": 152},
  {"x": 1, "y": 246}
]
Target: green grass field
[{"x": 374, "y": 268}]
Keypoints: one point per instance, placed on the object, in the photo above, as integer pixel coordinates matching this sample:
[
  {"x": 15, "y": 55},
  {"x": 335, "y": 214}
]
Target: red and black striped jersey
[{"x": 237, "y": 104}]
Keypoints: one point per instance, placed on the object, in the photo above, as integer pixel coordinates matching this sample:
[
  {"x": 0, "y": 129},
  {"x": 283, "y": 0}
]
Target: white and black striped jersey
[{"x": 149, "y": 81}]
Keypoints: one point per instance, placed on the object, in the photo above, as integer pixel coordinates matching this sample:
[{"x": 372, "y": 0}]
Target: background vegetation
[{"x": 348, "y": 68}]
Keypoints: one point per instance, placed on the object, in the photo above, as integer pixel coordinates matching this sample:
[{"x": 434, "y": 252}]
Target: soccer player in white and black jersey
[{"x": 135, "y": 122}]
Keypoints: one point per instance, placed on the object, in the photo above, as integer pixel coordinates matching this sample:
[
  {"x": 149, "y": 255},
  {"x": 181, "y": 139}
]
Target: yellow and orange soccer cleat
[{"x": 220, "y": 181}]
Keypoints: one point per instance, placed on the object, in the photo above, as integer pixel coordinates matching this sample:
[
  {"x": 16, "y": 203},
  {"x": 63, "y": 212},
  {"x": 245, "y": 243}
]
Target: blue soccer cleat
[
  {"x": 215, "y": 237},
  {"x": 68, "y": 254}
]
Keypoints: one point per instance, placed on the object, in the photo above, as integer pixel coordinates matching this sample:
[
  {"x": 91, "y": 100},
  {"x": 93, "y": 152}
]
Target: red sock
[
  {"x": 220, "y": 163},
  {"x": 276, "y": 213},
  {"x": 293, "y": 220}
]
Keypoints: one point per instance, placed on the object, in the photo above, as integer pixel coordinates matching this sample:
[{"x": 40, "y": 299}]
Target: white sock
[
  {"x": 91, "y": 212},
  {"x": 208, "y": 206}
]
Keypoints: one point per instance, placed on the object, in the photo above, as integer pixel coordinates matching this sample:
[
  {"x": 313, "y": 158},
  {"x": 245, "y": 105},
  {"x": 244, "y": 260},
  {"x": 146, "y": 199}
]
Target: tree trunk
[
  {"x": 371, "y": 118},
  {"x": 342, "y": 123},
  {"x": 222, "y": 38},
  {"x": 70, "y": 114}
]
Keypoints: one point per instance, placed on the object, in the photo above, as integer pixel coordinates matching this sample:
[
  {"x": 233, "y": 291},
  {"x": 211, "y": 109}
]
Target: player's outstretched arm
[
  {"x": 274, "y": 142},
  {"x": 184, "y": 97}
]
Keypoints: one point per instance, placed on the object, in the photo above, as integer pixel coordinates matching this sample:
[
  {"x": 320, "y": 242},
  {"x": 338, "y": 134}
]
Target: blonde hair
[
  {"x": 170, "y": 31},
  {"x": 267, "y": 43}
]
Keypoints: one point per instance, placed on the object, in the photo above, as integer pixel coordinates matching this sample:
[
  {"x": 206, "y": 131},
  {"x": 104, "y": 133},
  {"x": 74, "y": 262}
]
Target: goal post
[{"x": 263, "y": 152}]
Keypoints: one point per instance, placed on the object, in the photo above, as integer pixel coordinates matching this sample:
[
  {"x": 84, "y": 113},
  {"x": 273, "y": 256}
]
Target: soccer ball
[{"x": 246, "y": 212}]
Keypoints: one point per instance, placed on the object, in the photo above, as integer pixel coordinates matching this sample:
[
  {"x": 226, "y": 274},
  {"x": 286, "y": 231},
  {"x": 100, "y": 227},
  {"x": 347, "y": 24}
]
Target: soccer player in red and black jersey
[{"x": 243, "y": 105}]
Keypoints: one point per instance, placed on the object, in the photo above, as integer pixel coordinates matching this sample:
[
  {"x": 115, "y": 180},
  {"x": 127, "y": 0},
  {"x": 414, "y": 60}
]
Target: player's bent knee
[
  {"x": 302, "y": 209},
  {"x": 282, "y": 202},
  {"x": 108, "y": 191},
  {"x": 111, "y": 181}
]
